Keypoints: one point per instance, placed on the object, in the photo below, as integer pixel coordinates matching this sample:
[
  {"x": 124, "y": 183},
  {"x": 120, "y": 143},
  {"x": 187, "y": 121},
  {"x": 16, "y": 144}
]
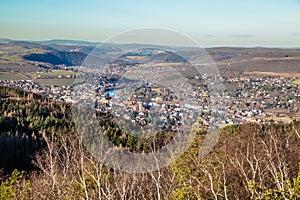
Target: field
[
  {"x": 11, "y": 58},
  {"x": 272, "y": 74},
  {"x": 43, "y": 78},
  {"x": 55, "y": 81},
  {"x": 284, "y": 117},
  {"x": 12, "y": 76},
  {"x": 53, "y": 78},
  {"x": 297, "y": 81},
  {"x": 52, "y": 73}
]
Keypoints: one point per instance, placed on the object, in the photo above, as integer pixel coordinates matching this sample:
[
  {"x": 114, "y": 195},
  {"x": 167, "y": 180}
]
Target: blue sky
[{"x": 210, "y": 22}]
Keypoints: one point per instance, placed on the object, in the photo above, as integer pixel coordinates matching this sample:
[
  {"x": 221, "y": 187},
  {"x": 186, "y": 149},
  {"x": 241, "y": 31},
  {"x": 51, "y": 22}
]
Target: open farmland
[
  {"x": 12, "y": 76},
  {"x": 297, "y": 81},
  {"x": 55, "y": 81},
  {"x": 52, "y": 73}
]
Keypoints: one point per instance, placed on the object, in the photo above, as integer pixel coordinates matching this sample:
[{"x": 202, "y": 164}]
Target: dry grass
[
  {"x": 297, "y": 81},
  {"x": 55, "y": 81},
  {"x": 272, "y": 74},
  {"x": 53, "y": 73},
  {"x": 12, "y": 76}
]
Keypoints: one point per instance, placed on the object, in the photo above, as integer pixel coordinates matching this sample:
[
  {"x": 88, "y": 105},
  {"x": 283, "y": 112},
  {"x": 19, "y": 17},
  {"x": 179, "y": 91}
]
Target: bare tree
[{"x": 265, "y": 163}]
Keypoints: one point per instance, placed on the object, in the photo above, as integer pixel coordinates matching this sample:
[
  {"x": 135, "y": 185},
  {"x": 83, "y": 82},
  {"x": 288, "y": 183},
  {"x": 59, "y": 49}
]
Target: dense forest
[{"x": 42, "y": 157}]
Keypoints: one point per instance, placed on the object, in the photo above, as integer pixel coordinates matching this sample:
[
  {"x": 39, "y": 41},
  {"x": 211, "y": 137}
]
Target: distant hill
[
  {"x": 58, "y": 57},
  {"x": 68, "y": 42},
  {"x": 5, "y": 40},
  {"x": 230, "y": 60},
  {"x": 31, "y": 45}
]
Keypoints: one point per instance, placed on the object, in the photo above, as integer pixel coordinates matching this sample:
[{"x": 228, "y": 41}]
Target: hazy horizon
[
  {"x": 99, "y": 42},
  {"x": 270, "y": 23}
]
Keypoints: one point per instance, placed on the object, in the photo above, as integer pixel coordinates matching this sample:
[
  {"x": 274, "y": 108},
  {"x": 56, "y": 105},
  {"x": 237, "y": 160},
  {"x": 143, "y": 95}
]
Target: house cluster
[
  {"x": 148, "y": 105},
  {"x": 251, "y": 98},
  {"x": 246, "y": 99}
]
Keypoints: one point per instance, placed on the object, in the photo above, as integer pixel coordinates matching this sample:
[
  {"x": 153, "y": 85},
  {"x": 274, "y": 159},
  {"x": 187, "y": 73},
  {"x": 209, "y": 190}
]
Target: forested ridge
[
  {"x": 24, "y": 118},
  {"x": 41, "y": 157}
]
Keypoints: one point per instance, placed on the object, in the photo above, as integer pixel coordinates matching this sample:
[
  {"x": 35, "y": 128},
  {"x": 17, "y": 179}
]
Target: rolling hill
[{"x": 34, "y": 56}]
